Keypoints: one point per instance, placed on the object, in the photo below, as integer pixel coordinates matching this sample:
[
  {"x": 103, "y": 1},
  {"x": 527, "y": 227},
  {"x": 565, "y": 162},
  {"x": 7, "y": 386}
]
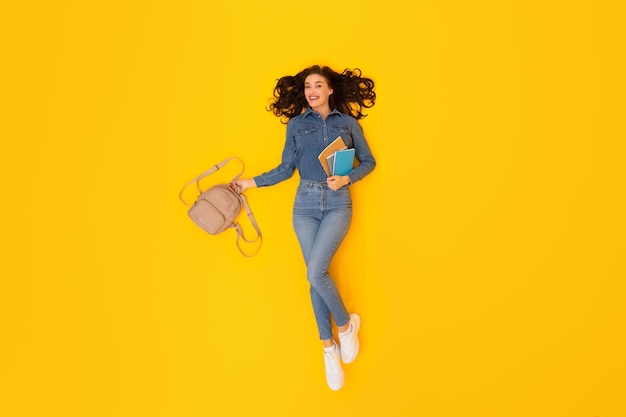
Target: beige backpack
[{"x": 216, "y": 209}]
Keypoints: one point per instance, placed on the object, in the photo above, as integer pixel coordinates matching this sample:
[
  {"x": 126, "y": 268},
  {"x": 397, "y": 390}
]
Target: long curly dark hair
[{"x": 351, "y": 92}]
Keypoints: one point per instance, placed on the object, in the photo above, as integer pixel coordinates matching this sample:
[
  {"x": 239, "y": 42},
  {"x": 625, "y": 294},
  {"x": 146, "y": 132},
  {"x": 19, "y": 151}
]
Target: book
[
  {"x": 343, "y": 161},
  {"x": 336, "y": 145},
  {"x": 330, "y": 161}
]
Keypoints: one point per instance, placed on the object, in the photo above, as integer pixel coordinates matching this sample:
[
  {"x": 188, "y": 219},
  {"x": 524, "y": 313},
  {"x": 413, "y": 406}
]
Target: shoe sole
[{"x": 357, "y": 326}]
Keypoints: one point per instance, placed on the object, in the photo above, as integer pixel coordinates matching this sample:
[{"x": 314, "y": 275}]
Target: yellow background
[{"x": 486, "y": 255}]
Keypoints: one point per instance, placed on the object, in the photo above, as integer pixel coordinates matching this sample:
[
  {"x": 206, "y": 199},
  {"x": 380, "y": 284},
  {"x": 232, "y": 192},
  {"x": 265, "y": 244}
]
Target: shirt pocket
[
  {"x": 308, "y": 136},
  {"x": 344, "y": 132}
]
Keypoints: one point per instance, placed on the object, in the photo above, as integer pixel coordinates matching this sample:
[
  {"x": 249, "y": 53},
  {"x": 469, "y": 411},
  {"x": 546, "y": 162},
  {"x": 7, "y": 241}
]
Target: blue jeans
[{"x": 321, "y": 219}]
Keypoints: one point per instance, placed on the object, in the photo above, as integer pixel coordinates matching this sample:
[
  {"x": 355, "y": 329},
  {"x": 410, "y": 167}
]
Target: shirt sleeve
[
  {"x": 367, "y": 163},
  {"x": 287, "y": 166}
]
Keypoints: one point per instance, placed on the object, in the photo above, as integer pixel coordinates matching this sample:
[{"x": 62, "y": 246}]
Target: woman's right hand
[{"x": 242, "y": 185}]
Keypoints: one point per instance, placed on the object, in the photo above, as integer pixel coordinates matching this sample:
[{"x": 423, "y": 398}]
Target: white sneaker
[
  {"x": 334, "y": 371},
  {"x": 350, "y": 340}
]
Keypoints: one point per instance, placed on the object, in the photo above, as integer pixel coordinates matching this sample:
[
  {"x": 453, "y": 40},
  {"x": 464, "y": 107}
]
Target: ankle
[{"x": 344, "y": 331}]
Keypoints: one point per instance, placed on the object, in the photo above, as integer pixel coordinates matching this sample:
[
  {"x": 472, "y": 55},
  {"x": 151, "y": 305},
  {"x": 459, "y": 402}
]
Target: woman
[{"x": 321, "y": 105}]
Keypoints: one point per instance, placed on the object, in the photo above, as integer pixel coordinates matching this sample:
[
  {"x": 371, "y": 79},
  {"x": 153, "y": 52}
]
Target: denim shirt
[{"x": 307, "y": 136}]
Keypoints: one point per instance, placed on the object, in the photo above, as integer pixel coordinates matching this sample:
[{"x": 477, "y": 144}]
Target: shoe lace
[{"x": 331, "y": 361}]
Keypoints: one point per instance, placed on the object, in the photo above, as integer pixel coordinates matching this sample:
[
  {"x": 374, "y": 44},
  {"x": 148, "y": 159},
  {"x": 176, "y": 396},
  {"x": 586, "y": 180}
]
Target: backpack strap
[
  {"x": 211, "y": 170},
  {"x": 240, "y": 234}
]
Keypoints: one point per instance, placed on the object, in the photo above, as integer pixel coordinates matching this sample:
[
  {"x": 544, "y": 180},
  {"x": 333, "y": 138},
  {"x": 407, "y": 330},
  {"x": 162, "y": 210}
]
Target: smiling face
[{"x": 317, "y": 91}]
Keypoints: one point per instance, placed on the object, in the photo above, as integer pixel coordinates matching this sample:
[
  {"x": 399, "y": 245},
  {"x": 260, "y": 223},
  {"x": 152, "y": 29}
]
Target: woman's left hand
[{"x": 337, "y": 181}]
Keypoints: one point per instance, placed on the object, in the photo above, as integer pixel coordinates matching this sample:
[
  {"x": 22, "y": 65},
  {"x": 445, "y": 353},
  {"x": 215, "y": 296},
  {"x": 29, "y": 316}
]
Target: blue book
[{"x": 343, "y": 162}]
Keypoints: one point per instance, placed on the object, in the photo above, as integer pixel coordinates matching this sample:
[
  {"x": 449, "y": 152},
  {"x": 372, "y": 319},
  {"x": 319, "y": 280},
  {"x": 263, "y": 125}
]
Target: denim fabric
[
  {"x": 321, "y": 219},
  {"x": 307, "y": 135}
]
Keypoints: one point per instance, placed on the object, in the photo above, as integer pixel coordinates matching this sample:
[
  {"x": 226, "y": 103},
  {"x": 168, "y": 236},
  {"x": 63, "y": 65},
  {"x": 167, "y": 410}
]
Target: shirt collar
[{"x": 310, "y": 111}]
